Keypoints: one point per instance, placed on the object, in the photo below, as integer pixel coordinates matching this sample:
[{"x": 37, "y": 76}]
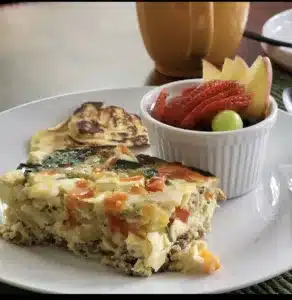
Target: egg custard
[{"x": 138, "y": 214}]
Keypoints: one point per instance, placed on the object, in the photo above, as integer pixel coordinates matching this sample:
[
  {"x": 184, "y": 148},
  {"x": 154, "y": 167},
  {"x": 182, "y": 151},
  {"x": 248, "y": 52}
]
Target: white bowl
[{"x": 236, "y": 157}]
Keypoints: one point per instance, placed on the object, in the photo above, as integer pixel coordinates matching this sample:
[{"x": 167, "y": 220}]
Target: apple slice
[
  {"x": 258, "y": 83},
  {"x": 227, "y": 69},
  {"x": 240, "y": 70},
  {"x": 210, "y": 72}
]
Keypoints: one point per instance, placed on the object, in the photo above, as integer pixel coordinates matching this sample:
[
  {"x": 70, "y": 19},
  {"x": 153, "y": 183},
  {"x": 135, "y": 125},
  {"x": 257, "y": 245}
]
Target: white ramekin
[{"x": 236, "y": 157}]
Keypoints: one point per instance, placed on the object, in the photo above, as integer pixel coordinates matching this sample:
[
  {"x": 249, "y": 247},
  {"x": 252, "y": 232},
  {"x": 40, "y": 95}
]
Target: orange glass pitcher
[{"x": 177, "y": 35}]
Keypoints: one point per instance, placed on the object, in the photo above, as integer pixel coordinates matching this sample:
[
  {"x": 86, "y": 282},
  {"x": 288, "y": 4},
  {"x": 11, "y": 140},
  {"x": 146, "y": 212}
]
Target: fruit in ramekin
[{"x": 237, "y": 88}]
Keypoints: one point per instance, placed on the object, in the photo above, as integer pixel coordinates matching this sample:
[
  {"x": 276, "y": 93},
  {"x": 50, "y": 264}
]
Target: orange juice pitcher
[{"x": 177, "y": 35}]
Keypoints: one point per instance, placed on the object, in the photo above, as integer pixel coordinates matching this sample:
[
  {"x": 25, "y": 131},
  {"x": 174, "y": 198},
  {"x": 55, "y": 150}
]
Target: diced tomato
[
  {"x": 116, "y": 202},
  {"x": 137, "y": 190},
  {"x": 132, "y": 178},
  {"x": 208, "y": 195},
  {"x": 87, "y": 194},
  {"x": 117, "y": 225},
  {"x": 82, "y": 184},
  {"x": 158, "y": 109},
  {"x": 74, "y": 202},
  {"x": 82, "y": 193},
  {"x": 124, "y": 149},
  {"x": 72, "y": 219},
  {"x": 81, "y": 190},
  {"x": 179, "y": 213},
  {"x": 177, "y": 171},
  {"x": 182, "y": 214},
  {"x": 155, "y": 184}
]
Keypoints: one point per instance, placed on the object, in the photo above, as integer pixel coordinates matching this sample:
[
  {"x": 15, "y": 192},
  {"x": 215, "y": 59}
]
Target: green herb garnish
[
  {"x": 67, "y": 157},
  {"x": 61, "y": 158},
  {"x": 125, "y": 165}
]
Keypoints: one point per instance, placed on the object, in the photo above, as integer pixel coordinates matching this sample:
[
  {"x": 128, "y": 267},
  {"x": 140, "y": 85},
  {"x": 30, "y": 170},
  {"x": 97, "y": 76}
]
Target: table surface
[{"x": 53, "y": 48}]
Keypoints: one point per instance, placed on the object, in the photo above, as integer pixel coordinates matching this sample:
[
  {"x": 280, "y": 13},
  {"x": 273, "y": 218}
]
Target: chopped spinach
[
  {"x": 151, "y": 172},
  {"x": 60, "y": 158},
  {"x": 126, "y": 164},
  {"x": 67, "y": 157},
  {"x": 148, "y": 172}
]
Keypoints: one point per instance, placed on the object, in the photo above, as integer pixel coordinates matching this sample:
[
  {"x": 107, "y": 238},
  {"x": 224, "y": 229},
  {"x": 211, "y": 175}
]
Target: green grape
[{"x": 227, "y": 120}]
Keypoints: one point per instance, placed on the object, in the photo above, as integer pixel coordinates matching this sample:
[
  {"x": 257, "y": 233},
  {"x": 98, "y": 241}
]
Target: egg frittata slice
[{"x": 138, "y": 214}]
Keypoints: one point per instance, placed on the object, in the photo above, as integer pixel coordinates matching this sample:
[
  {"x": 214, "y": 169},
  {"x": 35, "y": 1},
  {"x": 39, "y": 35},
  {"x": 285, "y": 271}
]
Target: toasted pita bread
[
  {"x": 90, "y": 124},
  {"x": 107, "y": 126}
]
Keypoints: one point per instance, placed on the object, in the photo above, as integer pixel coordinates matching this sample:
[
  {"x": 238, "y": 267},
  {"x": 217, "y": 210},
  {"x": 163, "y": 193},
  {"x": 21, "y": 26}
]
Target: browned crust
[{"x": 81, "y": 108}]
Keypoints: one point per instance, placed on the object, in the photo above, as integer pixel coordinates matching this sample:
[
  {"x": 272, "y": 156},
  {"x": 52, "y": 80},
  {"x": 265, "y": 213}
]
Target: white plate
[
  {"x": 279, "y": 27},
  {"x": 252, "y": 234}
]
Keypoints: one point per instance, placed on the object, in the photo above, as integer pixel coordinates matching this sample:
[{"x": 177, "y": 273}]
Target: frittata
[{"x": 138, "y": 214}]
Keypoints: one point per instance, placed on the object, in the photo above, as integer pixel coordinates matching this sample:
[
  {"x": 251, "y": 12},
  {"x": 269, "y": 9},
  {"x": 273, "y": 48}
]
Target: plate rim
[{"x": 61, "y": 95}]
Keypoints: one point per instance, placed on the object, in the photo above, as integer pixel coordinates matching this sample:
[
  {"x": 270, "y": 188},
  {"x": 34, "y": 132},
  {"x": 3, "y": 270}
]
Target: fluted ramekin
[{"x": 235, "y": 157}]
